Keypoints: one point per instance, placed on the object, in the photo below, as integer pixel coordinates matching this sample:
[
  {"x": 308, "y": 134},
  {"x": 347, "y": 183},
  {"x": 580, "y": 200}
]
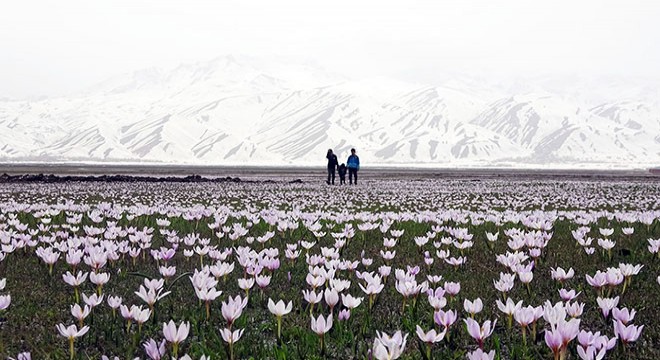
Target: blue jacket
[{"x": 353, "y": 162}]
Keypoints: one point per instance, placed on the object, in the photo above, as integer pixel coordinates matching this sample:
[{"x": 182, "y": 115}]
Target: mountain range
[{"x": 247, "y": 111}]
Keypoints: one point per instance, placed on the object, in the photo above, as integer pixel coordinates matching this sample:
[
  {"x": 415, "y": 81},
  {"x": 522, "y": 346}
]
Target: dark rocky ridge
[{"x": 50, "y": 178}]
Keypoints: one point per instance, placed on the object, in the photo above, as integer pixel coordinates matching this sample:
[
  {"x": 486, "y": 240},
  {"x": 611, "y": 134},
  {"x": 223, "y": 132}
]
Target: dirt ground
[{"x": 312, "y": 173}]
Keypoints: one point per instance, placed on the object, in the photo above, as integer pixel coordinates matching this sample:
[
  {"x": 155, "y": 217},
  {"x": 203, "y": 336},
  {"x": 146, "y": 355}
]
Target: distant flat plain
[{"x": 316, "y": 173}]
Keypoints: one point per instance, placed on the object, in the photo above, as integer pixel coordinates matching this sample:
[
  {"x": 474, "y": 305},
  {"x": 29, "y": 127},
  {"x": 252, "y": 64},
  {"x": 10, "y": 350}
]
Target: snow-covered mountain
[{"x": 245, "y": 111}]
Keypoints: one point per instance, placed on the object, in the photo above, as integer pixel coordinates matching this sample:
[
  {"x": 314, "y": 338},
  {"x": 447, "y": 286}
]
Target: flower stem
[
  {"x": 625, "y": 285},
  {"x": 279, "y": 329},
  {"x": 231, "y": 350},
  {"x": 175, "y": 350},
  {"x": 71, "y": 348}
]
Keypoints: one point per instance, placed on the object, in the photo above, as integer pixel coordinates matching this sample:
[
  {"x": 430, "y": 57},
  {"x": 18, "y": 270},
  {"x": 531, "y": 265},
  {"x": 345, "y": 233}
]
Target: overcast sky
[{"x": 54, "y": 47}]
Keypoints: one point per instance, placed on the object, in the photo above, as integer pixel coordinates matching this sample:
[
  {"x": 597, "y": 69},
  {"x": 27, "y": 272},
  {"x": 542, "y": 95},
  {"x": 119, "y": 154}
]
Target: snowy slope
[{"x": 245, "y": 111}]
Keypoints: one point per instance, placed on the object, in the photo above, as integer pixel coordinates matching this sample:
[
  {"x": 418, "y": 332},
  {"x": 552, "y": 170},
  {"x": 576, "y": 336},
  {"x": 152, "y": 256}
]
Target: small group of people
[{"x": 352, "y": 165}]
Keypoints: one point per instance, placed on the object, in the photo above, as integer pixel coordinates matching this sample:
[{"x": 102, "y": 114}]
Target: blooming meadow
[{"x": 392, "y": 269}]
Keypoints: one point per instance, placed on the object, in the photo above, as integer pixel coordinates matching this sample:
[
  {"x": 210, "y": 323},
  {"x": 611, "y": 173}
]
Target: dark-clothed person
[
  {"x": 342, "y": 174},
  {"x": 332, "y": 166}
]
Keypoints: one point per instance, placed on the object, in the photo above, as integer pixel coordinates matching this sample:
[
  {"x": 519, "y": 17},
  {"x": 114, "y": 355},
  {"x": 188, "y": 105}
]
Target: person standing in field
[
  {"x": 342, "y": 174},
  {"x": 353, "y": 165},
  {"x": 332, "y": 166}
]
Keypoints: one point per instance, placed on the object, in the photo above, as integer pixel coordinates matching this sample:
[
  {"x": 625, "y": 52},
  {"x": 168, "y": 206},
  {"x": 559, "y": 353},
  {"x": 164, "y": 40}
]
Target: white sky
[{"x": 54, "y": 47}]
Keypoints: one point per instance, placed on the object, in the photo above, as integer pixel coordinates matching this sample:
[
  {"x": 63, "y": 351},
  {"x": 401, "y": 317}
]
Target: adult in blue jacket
[{"x": 353, "y": 165}]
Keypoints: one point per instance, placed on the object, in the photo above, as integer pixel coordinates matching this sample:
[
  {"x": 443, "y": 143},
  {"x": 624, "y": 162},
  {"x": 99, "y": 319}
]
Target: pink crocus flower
[
  {"x": 509, "y": 308},
  {"x": 99, "y": 279},
  {"x": 321, "y": 325},
  {"x": 568, "y": 330},
  {"x": 595, "y": 340},
  {"x": 154, "y": 350},
  {"x": 114, "y": 302},
  {"x": 175, "y": 335},
  {"x": 561, "y": 333},
  {"x": 562, "y": 275},
  {"x": 591, "y": 353},
  {"x": 481, "y": 355},
  {"x": 525, "y": 316},
  {"x": 71, "y": 333},
  {"x": 431, "y": 336},
  {"x": 452, "y": 288},
  {"x": 5, "y": 300},
  {"x": 76, "y": 280},
  {"x": 575, "y": 309},
  {"x": 230, "y": 337},
  {"x": 331, "y": 297},
  {"x": 246, "y": 285},
  {"x": 628, "y": 333},
  {"x": 80, "y": 313},
  {"x": 151, "y": 296},
  {"x": 623, "y": 315},
  {"x": 480, "y": 333},
  {"x": 568, "y": 295},
  {"x": 350, "y": 302},
  {"x": 22, "y": 356},
  {"x": 554, "y": 341},
  {"x": 473, "y": 307},
  {"x": 598, "y": 280},
  {"x": 389, "y": 348},
  {"x": 445, "y": 318},
  {"x": 232, "y": 309},
  {"x": 607, "y": 304},
  {"x": 167, "y": 271},
  {"x": 279, "y": 309},
  {"x": 93, "y": 300},
  {"x": 526, "y": 277},
  {"x": 262, "y": 281},
  {"x": 505, "y": 283}
]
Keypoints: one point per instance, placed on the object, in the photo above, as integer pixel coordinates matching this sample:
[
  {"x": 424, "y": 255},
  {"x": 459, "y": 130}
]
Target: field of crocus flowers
[{"x": 392, "y": 268}]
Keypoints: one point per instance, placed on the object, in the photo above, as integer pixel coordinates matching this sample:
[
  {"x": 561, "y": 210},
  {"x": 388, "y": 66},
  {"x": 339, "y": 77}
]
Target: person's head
[
  {"x": 353, "y": 151},
  {"x": 329, "y": 151}
]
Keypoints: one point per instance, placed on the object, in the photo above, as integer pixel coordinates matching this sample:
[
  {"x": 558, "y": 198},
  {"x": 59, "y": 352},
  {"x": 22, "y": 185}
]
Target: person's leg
[
  {"x": 351, "y": 174},
  {"x": 355, "y": 174},
  {"x": 328, "y": 181},
  {"x": 333, "y": 176}
]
